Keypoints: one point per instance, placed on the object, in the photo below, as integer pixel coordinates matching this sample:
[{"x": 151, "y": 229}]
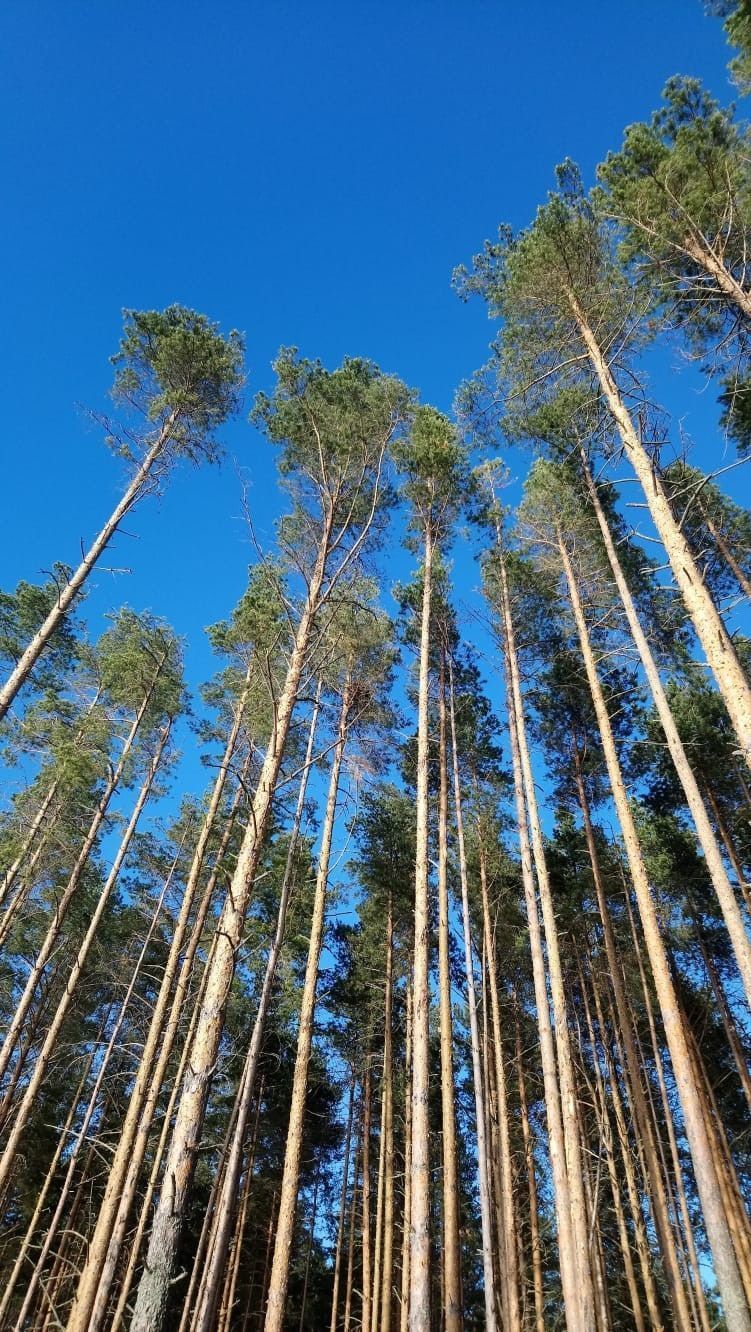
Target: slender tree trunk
[
  {"x": 419, "y": 1261},
  {"x": 512, "y": 1317},
  {"x": 342, "y": 1205},
  {"x": 656, "y": 1191},
  {"x": 388, "y": 1129},
  {"x": 696, "y": 247},
  {"x": 277, "y": 1294},
  {"x": 706, "y": 619},
  {"x": 352, "y": 1236},
  {"x": 726, "y": 897},
  {"x": 367, "y": 1285},
  {"x": 743, "y": 582},
  {"x": 718, "y": 1233},
  {"x": 567, "y": 1256},
  {"x": 104, "y": 1247},
  {"x": 452, "y": 1275},
  {"x": 583, "y": 1298},
  {"x": 731, "y": 1031},
  {"x": 683, "y": 1218},
  {"x": 42, "y": 1060},
  {"x": 62, "y": 1142},
  {"x": 169, "y": 1038},
  {"x": 310, "y": 1250},
  {"x": 531, "y": 1171},
  {"x": 186, "y": 1134},
  {"x": 61, "y": 907},
  {"x": 606, "y": 1138},
  {"x": 67, "y": 595},
  {"x": 407, "y": 1207},
  {"x": 10, "y": 875},
  {"x": 228, "y": 1193},
  {"x": 491, "y": 1318},
  {"x": 81, "y": 1135}
]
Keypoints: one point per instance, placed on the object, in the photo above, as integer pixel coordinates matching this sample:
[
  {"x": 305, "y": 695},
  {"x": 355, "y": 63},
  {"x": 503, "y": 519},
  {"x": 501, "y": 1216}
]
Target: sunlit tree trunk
[
  {"x": 572, "y": 1145},
  {"x": 105, "y": 1243},
  {"x": 277, "y": 1293},
  {"x": 706, "y": 619},
  {"x": 61, "y": 1012},
  {"x": 407, "y": 1206},
  {"x": 419, "y": 1261},
  {"x": 491, "y": 1318},
  {"x": 718, "y": 1233},
  {"x": 566, "y": 1248},
  {"x": 508, "y": 1209},
  {"x": 73, "y": 586},
  {"x": 731, "y": 912},
  {"x": 451, "y": 1254},
  {"x": 531, "y": 1176},
  {"x": 342, "y": 1206},
  {"x": 225, "y": 1210},
  {"x": 388, "y": 1129},
  {"x": 36, "y": 971},
  {"x": 635, "y": 1075}
]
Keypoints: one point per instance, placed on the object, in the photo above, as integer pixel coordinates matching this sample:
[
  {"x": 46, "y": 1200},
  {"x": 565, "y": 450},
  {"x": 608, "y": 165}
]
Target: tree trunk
[
  {"x": 531, "y": 1172},
  {"x": 512, "y": 1318},
  {"x": 656, "y": 1190},
  {"x": 718, "y": 1233},
  {"x": 81, "y": 1135},
  {"x": 419, "y": 1262},
  {"x": 277, "y": 1293},
  {"x": 186, "y": 1134},
  {"x": 66, "y": 597},
  {"x": 706, "y": 619},
  {"x": 579, "y": 1230},
  {"x": 491, "y": 1319},
  {"x": 61, "y": 907},
  {"x": 452, "y": 1274},
  {"x": 169, "y": 1039},
  {"x": 731, "y": 911},
  {"x": 388, "y": 1130},
  {"x": 43, "y": 1057},
  {"x": 233, "y": 1169},
  {"x": 342, "y": 1205},
  {"x": 407, "y": 1208},
  {"x": 104, "y": 1247}
]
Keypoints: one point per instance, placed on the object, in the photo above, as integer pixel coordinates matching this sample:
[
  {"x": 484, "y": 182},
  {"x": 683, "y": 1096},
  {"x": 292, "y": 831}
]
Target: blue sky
[{"x": 308, "y": 172}]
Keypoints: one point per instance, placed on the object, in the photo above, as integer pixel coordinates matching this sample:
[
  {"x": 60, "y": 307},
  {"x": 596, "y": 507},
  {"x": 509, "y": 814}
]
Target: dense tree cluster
[{"x": 426, "y": 1013}]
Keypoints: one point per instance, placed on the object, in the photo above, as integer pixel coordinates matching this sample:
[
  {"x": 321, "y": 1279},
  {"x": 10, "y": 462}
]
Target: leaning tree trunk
[
  {"x": 95, "y": 1283},
  {"x": 718, "y": 1233},
  {"x": 36, "y": 971},
  {"x": 419, "y": 1258},
  {"x": 558, "y": 1165},
  {"x": 83, "y": 1129},
  {"x": 388, "y": 1130},
  {"x": 568, "y": 1093},
  {"x": 508, "y": 1222},
  {"x": 633, "y": 1070},
  {"x": 710, "y": 628},
  {"x": 731, "y": 911},
  {"x": 73, "y": 586},
  {"x": 483, "y": 1149},
  {"x": 452, "y": 1275},
  {"x": 28, "y": 1099},
  {"x": 277, "y": 1293},
  {"x": 153, "y": 1289},
  {"x": 233, "y": 1167},
  {"x": 342, "y": 1205}
]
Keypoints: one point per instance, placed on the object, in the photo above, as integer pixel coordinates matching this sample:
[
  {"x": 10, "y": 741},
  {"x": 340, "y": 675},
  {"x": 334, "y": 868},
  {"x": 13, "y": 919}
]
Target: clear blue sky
[{"x": 309, "y": 172}]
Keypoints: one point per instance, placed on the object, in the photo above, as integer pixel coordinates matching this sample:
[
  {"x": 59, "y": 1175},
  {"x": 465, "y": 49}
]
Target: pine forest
[{"x": 397, "y": 978}]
